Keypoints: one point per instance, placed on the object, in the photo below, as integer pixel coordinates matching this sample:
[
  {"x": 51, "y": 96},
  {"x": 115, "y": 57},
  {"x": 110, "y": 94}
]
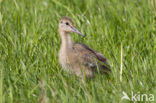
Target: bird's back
[{"x": 87, "y": 58}]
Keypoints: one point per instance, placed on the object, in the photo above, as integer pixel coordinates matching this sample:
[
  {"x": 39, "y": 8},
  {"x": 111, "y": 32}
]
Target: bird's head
[{"x": 66, "y": 25}]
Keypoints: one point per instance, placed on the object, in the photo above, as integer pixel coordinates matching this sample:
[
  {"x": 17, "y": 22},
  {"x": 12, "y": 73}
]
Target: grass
[{"x": 29, "y": 44}]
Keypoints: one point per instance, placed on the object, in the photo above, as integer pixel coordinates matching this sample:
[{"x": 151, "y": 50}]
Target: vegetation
[{"x": 29, "y": 45}]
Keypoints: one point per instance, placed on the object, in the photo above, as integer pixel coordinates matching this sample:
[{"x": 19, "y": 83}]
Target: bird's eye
[{"x": 67, "y": 23}]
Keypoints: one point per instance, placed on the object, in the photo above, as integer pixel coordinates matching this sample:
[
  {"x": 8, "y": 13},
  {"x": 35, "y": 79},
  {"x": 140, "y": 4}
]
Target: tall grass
[{"x": 29, "y": 44}]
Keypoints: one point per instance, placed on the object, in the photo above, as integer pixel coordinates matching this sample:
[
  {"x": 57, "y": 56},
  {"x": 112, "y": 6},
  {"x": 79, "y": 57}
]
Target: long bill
[{"x": 78, "y": 32}]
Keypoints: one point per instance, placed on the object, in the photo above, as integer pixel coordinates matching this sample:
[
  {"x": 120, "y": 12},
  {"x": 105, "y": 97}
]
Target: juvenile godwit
[{"x": 79, "y": 58}]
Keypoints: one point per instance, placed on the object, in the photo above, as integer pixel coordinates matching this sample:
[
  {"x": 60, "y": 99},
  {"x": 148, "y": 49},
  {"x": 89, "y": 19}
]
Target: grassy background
[{"x": 29, "y": 44}]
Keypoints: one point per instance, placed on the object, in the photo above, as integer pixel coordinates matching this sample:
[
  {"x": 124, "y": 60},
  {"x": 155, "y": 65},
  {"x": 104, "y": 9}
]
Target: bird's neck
[{"x": 66, "y": 40}]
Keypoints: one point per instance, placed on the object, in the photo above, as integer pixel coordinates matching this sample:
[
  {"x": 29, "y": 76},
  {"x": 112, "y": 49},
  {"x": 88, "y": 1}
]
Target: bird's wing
[{"x": 90, "y": 58}]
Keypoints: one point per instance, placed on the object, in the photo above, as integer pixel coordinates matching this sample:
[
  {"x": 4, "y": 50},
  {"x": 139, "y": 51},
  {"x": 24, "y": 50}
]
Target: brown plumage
[{"x": 79, "y": 58}]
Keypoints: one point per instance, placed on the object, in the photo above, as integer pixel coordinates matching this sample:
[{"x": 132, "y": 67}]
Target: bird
[{"x": 78, "y": 58}]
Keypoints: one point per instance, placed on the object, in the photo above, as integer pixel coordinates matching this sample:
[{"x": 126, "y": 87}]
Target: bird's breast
[{"x": 63, "y": 59}]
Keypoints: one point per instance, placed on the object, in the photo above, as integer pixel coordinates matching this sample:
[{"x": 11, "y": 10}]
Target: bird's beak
[{"x": 76, "y": 31}]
